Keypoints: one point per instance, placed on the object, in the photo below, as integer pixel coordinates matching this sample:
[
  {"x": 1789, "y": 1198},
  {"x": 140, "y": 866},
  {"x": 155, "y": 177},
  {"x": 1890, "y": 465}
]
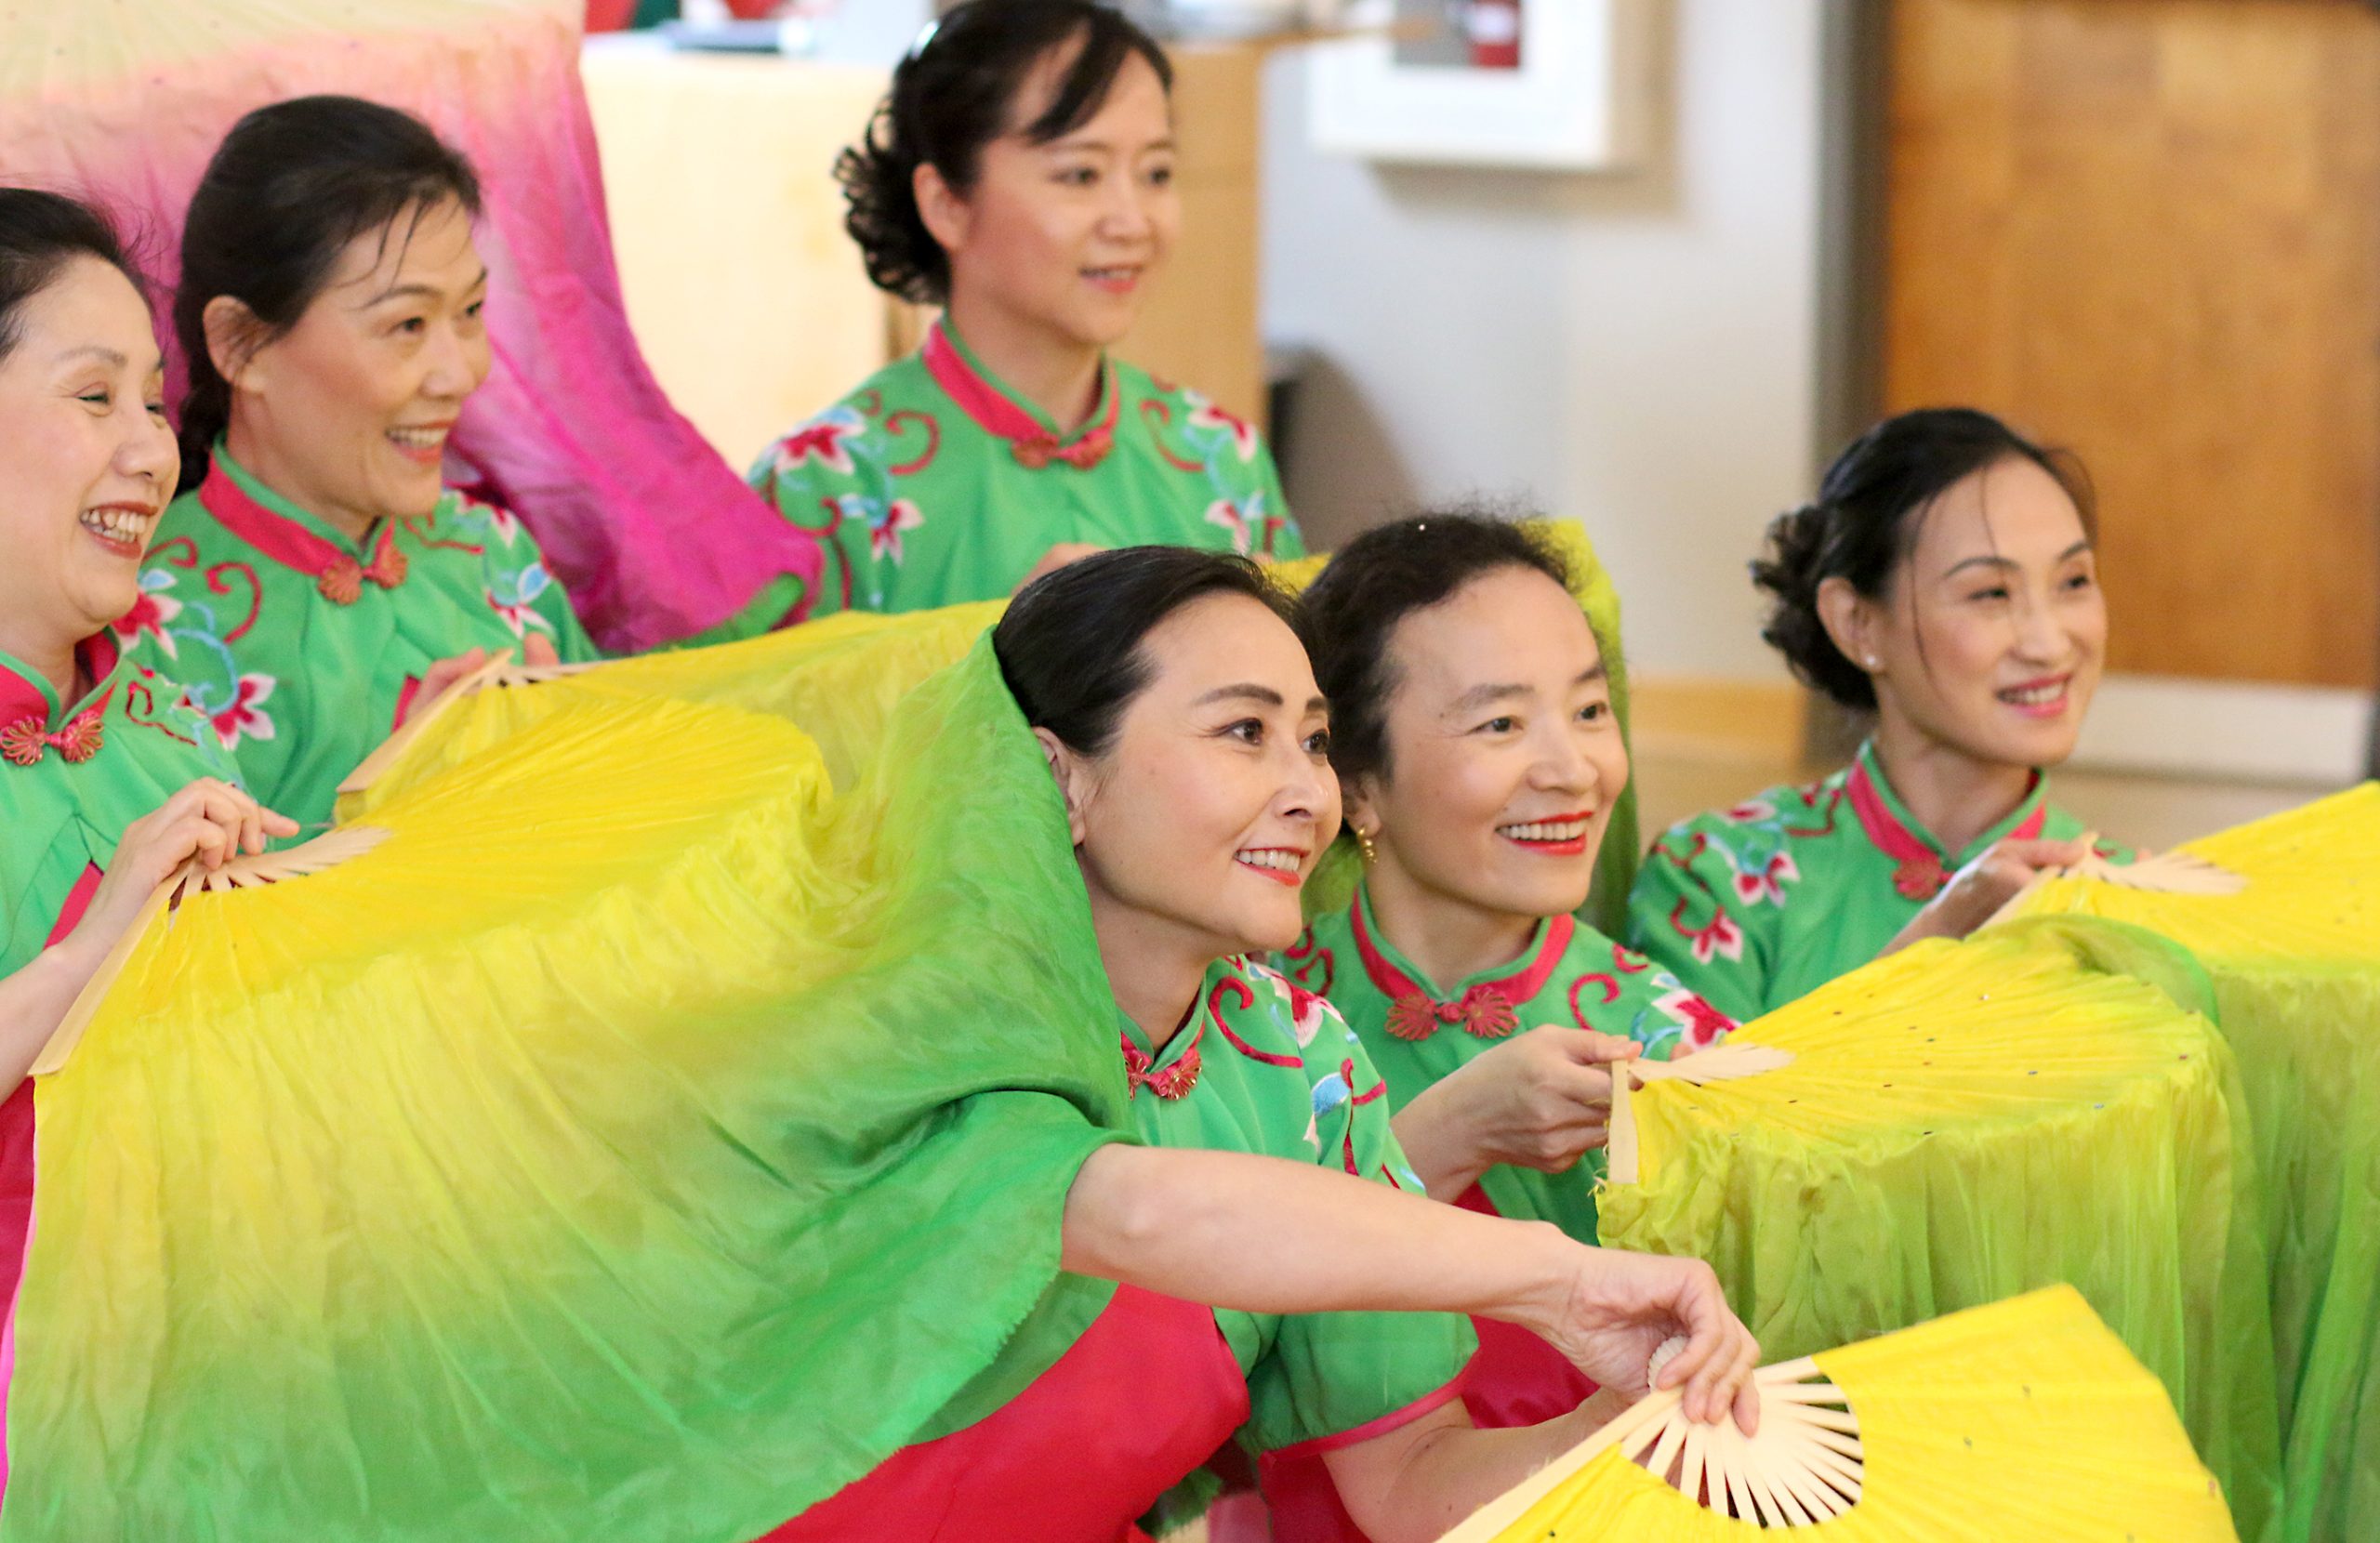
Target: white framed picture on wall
[{"x": 1550, "y": 85}]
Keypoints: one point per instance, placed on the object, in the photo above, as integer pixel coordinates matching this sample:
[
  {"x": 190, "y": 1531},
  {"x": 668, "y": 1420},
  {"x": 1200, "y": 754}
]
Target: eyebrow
[
  {"x": 1069, "y": 141},
  {"x": 408, "y": 290},
  {"x": 2006, "y": 564},
  {"x": 1481, "y": 697},
  {"x": 1248, "y": 690},
  {"x": 112, "y": 358}
]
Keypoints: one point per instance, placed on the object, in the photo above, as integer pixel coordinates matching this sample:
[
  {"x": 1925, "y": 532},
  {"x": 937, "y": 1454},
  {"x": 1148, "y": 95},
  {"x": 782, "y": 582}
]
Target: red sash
[
  {"x": 1148, "y": 1393},
  {"x": 1515, "y": 1379}
]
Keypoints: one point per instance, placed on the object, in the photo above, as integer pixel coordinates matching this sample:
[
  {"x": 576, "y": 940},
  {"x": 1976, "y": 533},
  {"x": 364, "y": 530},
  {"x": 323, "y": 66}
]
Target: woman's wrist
[
  {"x": 1538, "y": 1275},
  {"x": 1435, "y": 1136}
]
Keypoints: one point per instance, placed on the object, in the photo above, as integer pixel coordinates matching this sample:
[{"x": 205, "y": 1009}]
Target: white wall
[{"x": 1636, "y": 350}]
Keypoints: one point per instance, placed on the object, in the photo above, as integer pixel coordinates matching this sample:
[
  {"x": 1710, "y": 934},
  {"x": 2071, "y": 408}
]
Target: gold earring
[{"x": 1364, "y": 844}]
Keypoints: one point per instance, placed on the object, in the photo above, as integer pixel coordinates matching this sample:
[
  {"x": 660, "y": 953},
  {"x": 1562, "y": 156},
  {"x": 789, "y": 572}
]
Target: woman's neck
[
  {"x": 261, "y": 458},
  {"x": 1449, "y": 939},
  {"x": 49, "y": 656},
  {"x": 1153, "y": 970},
  {"x": 1060, "y": 375},
  {"x": 1953, "y": 795}
]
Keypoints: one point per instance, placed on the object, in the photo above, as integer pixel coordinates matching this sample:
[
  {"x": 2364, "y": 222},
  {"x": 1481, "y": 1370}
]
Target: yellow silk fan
[
  {"x": 2024, "y": 1420},
  {"x": 569, "y": 1151},
  {"x": 838, "y": 680},
  {"x": 2285, "y": 913},
  {"x": 1959, "y": 1124}
]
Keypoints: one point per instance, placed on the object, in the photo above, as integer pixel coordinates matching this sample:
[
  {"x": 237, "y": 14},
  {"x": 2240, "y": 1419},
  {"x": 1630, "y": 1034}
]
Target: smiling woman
[
  {"x": 320, "y": 580},
  {"x": 1945, "y": 580},
  {"x": 98, "y": 770},
  {"x": 1020, "y": 174},
  {"x": 1183, "y": 728}
]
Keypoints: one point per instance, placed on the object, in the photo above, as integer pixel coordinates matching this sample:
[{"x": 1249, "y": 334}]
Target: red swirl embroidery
[{"x": 897, "y": 424}]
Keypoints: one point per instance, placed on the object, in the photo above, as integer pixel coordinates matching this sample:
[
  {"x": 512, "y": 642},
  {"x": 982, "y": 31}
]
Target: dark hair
[
  {"x": 950, "y": 98},
  {"x": 289, "y": 187},
  {"x": 40, "y": 233},
  {"x": 1070, "y": 647},
  {"x": 1375, "y": 582},
  {"x": 1871, "y": 507}
]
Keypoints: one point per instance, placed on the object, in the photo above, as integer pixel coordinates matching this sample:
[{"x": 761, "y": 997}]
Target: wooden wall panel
[{"x": 2150, "y": 230}]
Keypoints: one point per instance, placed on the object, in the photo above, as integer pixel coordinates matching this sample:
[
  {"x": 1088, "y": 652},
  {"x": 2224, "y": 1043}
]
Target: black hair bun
[{"x": 1790, "y": 568}]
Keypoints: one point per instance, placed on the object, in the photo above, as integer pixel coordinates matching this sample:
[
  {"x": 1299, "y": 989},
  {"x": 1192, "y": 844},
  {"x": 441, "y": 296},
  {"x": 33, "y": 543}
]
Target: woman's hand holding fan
[
  {"x": 1620, "y": 1307},
  {"x": 1540, "y": 1100}
]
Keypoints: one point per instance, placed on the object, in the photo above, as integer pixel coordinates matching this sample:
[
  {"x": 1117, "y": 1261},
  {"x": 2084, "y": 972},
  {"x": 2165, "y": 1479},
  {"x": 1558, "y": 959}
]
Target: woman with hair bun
[
  {"x": 1020, "y": 174},
  {"x": 1944, "y": 581}
]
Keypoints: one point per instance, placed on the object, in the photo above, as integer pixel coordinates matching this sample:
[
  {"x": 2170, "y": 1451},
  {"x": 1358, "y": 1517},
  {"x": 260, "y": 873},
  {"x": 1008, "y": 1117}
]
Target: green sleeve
[
  {"x": 807, "y": 495},
  {"x": 1679, "y": 915},
  {"x": 1289, "y": 542},
  {"x": 571, "y": 640},
  {"x": 1329, "y": 1375}
]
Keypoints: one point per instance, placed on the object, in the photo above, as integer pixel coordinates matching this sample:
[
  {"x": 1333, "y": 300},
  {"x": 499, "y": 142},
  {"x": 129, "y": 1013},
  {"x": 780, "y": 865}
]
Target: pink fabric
[
  {"x": 1148, "y": 1391},
  {"x": 653, "y": 535}
]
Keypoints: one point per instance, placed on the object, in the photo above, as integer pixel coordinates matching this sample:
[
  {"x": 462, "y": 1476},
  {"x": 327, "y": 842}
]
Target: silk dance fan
[
  {"x": 655, "y": 536},
  {"x": 2290, "y": 938},
  {"x": 576, "y": 1159},
  {"x": 1961, "y": 1123},
  {"x": 2027, "y": 1419},
  {"x": 839, "y": 677}
]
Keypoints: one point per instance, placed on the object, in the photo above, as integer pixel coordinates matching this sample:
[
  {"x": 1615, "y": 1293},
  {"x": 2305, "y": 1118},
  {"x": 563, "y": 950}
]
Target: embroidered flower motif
[
  {"x": 245, "y": 718},
  {"x": 1307, "y": 1011},
  {"x": 822, "y": 439},
  {"x": 1329, "y": 1093},
  {"x": 151, "y": 612},
  {"x": 1765, "y": 882},
  {"x": 1752, "y": 812},
  {"x": 1240, "y": 521},
  {"x": 1722, "y": 938},
  {"x": 1703, "y": 1025},
  {"x": 513, "y": 597},
  {"x": 1205, "y": 415},
  {"x": 1483, "y": 1011},
  {"x": 24, "y": 741},
  {"x": 885, "y": 523}
]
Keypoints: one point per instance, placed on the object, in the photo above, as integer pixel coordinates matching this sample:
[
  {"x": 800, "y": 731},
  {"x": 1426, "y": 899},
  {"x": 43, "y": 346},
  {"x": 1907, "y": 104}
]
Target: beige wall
[{"x": 1637, "y": 350}]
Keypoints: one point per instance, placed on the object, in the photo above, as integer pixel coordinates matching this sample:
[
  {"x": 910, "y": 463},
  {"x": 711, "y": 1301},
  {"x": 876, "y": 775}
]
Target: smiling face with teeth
[
  {"x": 347, "y": 413},
  {"x": 1503, "y": 759},
  {"x": 90, "y": 461},
  {"x": 1053, "y": 245},
  {"x": 1198, "y": 825},
  {"x": 1990, "y": 640}
]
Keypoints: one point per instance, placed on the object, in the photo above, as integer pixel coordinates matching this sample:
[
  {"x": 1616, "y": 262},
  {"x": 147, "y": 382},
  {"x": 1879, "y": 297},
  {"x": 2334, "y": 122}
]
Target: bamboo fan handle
[
  {"x": 2168, "y": 873},
  {"x": 1725, "y": 1063},
  {"x": 498, "y": 671},
  {"x": 327, "y": 851},
  {"x": 1806, "y": 1466}
]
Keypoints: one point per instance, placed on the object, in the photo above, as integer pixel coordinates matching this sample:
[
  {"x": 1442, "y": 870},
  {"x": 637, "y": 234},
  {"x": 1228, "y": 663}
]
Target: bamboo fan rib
[
  {"x": 2026, "y": 1420},
  {"x": 2294, "y": 953},
  {"x": 1962, "y": 1123}
]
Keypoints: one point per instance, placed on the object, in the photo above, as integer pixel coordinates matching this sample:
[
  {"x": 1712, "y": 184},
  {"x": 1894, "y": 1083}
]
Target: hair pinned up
[
  {"x": 1375, "y": 582},
  {"x": 40, "y": 233},
  {"x": 956, "y": 93},
  {"x": 1865, "y": 523}
]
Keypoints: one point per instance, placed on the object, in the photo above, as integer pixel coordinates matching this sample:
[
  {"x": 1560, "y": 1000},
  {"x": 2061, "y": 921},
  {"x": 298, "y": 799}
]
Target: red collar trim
[
  {"x": 338, "y": 574},
  {"x": 1029, "y": 441},
  {"x": 25, "y": 738},
  {"x": 1486, "y": 1009},
  {"x": 1921, "y": 868}
]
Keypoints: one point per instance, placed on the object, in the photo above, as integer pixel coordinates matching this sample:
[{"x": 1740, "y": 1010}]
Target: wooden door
[{"x": 2149, "y": 230}]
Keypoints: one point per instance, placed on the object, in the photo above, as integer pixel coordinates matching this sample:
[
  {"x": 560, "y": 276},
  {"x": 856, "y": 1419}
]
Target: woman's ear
[
  {"x": 947, "y": 216},
  {"x": 231, "y": 328},
  {"x": 1359, "y": 807},
  {"x": 1853, "y": 621},
  {"x": 1072, "y": 774}
]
